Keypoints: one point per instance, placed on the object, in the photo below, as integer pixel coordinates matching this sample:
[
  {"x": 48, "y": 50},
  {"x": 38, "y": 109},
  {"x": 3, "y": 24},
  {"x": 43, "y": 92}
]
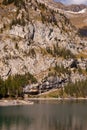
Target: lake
[{"x": 45, "y": 115}]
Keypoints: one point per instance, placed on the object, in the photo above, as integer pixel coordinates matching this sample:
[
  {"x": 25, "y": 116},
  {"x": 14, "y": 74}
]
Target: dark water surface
[{"x": 45, "y": 116}]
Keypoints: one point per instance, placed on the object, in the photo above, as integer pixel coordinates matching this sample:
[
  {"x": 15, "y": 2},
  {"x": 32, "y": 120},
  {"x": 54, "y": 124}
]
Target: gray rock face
[{"x": 23, "y": 47}]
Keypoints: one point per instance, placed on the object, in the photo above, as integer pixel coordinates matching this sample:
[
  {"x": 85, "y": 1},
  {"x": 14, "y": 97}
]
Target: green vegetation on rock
[
  {"x": 16, "y": 2},
  {"x": 13, "y": 85},
  {"x": 62, "y": 52},
  {"x": 77, "y": 89}
]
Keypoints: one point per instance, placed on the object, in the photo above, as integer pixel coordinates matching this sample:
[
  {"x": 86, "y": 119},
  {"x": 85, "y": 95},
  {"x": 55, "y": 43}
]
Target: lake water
[{"x": 45, "y": 115}]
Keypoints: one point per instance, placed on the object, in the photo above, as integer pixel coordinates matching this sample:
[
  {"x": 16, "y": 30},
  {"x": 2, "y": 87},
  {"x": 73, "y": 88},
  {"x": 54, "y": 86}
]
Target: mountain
[
  {"x": 75, "y": 8},
  {"x": 72, "y": 7},
  {"x": 77, "y": 14},
  {"x": 37, "y": 38}
]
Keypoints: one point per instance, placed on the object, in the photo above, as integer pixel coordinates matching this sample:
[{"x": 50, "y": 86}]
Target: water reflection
[{"x": 44, "y": 116}]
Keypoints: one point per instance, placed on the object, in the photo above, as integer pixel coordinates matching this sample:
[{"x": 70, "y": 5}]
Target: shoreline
[
  {"x": 6, "y": 102},
  {"x": 58, "y": 99},
  {"x": 30, "y": 101}
]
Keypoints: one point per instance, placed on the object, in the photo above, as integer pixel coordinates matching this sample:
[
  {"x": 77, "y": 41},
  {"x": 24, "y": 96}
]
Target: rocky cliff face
[{"x": 37, "y": 39}]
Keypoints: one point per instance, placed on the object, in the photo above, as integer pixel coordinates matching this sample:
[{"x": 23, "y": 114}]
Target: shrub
[{"x": 62, "y": 52}]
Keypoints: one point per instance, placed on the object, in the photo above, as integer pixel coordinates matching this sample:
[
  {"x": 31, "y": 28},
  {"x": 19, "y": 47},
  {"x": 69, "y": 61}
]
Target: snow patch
[{"x": 80, "y": 12}]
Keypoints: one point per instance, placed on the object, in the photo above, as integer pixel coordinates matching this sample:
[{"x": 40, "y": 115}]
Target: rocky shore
[
  {"x": 31, "y": 101},
  {"x": 14, "y": 102}
]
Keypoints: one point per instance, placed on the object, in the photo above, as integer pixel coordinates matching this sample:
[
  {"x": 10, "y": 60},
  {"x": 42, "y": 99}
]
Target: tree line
[
  {"x": 13, "y": 85},
  {"x": 77, "y": 89}
]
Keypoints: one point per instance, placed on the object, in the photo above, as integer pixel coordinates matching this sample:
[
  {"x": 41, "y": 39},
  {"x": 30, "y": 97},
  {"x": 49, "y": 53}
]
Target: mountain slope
[
  {"x": 76, "y": 13},
  {"x": 38, "y": 39},
  {"x": 72, "y": 7}
]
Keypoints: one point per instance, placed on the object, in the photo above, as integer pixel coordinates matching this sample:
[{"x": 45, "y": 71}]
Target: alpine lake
[{"x": 45, "y": 115}]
